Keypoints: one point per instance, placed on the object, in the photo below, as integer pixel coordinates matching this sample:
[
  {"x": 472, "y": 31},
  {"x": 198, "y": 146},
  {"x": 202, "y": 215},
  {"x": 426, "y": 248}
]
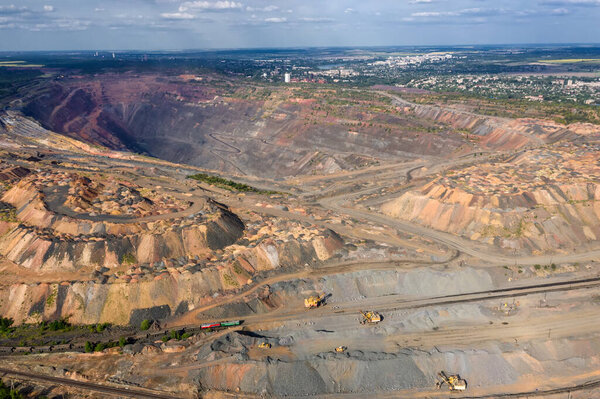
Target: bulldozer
[
  {"x": 314, "y": 301},
  {"x": 455, "y": 383},
  {"x": 370, "y": 317},
  {"x": 264, "y": 345}
]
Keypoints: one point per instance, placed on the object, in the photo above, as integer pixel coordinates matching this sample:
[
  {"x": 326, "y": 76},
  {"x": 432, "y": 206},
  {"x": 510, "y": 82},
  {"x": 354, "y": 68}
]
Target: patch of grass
[
  {"x": 5, "y": 324},
  {"x": 7, "y": 393},
  {"x": 128, "y": 259},
  {"x": 237, "y": 268},
  {"x": 52, "y": 297},
  {"x": 571, "y": 61},
  {"x": 8, "y": 215},
  {"x": 230, "y": 280},
  {"x": 228, "y": 184}
]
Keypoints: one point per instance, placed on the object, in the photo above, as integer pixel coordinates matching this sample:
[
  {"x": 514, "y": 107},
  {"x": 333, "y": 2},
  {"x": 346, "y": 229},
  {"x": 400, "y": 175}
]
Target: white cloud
[
  {"x": 210, "y": 5},
  {"x": 48, "y": 8},
  {"x": 12, "y": 9},
  {"x": 276, "y": 20},
  {"x": 270, "y": 8},
  {"x": 177, "y": 15},
  {"x": 576, "y": 3},
  {"x": 349, "y": 10},
  {"x": 63, "y": 24},
  {"x": 457, "y": 13},
  {"x": 316, "y": 20}
]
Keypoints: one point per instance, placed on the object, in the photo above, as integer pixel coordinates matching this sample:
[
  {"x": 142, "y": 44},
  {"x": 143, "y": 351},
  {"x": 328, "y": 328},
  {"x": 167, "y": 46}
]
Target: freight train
[{"x": 223, "y": 324}]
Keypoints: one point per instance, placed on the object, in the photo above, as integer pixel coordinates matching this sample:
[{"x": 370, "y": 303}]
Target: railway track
[{"x": 104, "y": 389}]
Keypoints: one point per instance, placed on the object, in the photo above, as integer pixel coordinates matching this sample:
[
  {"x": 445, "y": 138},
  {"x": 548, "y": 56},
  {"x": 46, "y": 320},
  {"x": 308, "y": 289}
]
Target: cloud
[
  {"x": 62, "y": 24},
  {"x": 316, "y": 20},
  {"x": 349, "y": 11},
  {"x": 420, "y": 1},
  {"x": 48, "y": 8},
  {"x": 574, "y": 3},
  {"x": 269, "y": 8},
  {"x": 177, "y": 15},
  {"x": 12, "y": 9},
  {"x": 210, "y": 5},
  {"x": 276, "y": 20},
  {"x": 459, "y": 13}
]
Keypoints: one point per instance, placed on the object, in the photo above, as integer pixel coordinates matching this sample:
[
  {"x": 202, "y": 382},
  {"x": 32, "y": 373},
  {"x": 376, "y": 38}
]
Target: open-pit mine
[{"x": 177, "y": 235}]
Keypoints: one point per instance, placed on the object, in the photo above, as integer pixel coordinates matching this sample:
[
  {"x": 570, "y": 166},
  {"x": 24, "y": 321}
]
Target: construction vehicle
[
  {"x": 455, "y": 383},
  {"x": 370, "y": 317},
  {"x": 341, "y": 349},
  {"x": 314, "y": 301},
  {"x": 264, "y": 345}
]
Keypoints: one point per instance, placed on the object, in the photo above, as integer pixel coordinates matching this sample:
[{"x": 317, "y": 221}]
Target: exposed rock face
[
  {"x": 47, "y": 241},
  {"x": 501, "y": 133},
  {"x": 204, "y": 125},
  {"x": 156, "y": 268},
  {"x": 172, "y": 288},
  {"x": 539, "y": 201},
  {"x": 13, "y": 173}
]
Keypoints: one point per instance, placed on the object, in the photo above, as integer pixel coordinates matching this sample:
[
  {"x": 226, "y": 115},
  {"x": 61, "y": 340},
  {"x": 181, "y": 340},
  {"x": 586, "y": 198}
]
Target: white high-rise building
[{"x": 287, "y": 77}]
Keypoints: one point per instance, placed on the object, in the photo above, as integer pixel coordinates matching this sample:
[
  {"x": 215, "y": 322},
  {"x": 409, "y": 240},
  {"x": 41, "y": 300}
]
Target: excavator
[
  {"x": 455, "y": 383},
  {"x": 264, "y": 345},
  {"x": 314, "y": 301},
  {"x": 370, "y": 317}
]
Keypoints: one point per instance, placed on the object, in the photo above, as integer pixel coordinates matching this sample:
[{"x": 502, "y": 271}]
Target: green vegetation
[
  {"x": 5, "y": 324},
  {"x": 175, "y": 335},
  {"x": 98, "y": 328},
  {"x": 230, "y": 280},
  {"x": 8, "y": 215},
  {"x": 128, "y": 259},
  {"x": 7, "y": 393},
  {"x": 88, "y": 347},
  {"x": 11, "y": 79},
  {"x": 571, "y": 61},
  {"x": 52, "y": 297},
  {"x": 228, "y": 184},
  {"x": 56, "y": 325},
  {"x": 237, "y": 268},
  {"x": 145, "y": 325}
]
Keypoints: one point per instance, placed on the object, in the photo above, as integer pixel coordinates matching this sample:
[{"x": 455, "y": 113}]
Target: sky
[{"x": 203, "y": 24}]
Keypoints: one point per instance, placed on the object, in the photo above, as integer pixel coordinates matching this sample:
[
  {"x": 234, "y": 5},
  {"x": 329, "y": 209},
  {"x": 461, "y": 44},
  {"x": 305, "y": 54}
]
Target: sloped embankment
[
  {"x": 47, "y": 241},
  {"x": 555, "y": 217}
]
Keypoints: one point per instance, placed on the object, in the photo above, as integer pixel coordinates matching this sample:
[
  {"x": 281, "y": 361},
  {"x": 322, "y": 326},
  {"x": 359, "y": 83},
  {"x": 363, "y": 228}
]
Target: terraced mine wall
[
  {"x": 47, "y": 241},
  {"x": 501, "y": 133},
  {"x": 557, "y": 217},
  {"x": 138, "y": 270}
]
